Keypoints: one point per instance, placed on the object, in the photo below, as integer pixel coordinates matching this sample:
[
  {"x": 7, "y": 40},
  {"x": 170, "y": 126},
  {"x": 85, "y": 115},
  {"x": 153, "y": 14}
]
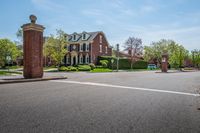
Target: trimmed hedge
[
  {"x": 69, "y": 68},
  {"x": 84, "y": 68},
  {"x": 123, "y": 63}
]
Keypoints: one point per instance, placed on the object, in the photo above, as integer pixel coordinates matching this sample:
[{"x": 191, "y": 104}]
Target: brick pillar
[
  {"x": 164, "y": 62},
  {"x": 33, "y": 48}
]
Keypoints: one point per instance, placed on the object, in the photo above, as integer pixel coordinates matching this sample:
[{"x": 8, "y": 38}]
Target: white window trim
[
  {"x": 74, "y": 39},
  {"x": 81, "y": 47},
  {"x": 87, "y": 47},
  {"x": 106, "y": 49},
  {"x": 83, "y": 36},
  {"x": 87, "y": 59},
  {"x": 100, "y": 48},
  {"x": 100, "y": 38},
  {"x": 81, "y": 59}
]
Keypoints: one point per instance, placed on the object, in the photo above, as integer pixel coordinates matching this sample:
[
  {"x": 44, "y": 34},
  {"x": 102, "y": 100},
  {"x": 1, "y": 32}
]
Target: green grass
[
  {"x": 7, "y": 73},
  {"x": 12, "y": 67},
  {"x": 101, "y": 70}
]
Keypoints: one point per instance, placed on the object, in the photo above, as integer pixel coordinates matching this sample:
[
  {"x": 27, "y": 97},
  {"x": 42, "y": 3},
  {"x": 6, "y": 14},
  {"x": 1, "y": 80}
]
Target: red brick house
[{"x": 85, "y": 47}]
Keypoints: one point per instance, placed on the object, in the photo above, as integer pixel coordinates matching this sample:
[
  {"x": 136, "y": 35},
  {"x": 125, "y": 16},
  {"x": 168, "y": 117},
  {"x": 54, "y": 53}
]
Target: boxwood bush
[
  {"x": 84, "y": 68},
  {"x": 68, "y": 68}
]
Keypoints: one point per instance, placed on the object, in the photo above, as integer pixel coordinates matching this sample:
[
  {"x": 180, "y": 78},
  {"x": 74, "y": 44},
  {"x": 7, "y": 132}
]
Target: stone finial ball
[{"x": 33, "y": 18}]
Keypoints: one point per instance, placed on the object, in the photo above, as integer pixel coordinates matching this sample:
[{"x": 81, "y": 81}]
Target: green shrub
[
  {"x": 123, "y": 63},
  {"x": 62, "y": 68},
  {"x": 92, "y": 66},
  {"x": 101, "y": 70},
  {"x": 140, "y": 65},
  {"x": 104, "y": 63},
  {"x": 84, "y": 68},
  {"x": 71, "y": 68}
]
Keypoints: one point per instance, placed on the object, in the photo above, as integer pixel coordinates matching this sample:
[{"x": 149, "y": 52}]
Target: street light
[
  {"x": 112, "y": 61},
  {"x": 117, "y": 57}
]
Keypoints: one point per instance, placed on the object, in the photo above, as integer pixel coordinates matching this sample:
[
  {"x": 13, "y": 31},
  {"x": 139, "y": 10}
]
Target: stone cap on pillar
[{"x": 33, "y": 25}]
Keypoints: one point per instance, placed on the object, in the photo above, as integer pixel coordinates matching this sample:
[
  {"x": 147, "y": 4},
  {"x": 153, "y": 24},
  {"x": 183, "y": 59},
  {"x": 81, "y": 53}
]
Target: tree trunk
[{"x": 131, "y": 62}]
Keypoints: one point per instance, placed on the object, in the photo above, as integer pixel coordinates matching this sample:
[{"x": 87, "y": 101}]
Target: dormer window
[
  {"x": 74, "y": 37},
  {"x": 84, "y": 36}
]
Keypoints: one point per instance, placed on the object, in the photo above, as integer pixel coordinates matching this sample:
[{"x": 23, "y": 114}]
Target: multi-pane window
[
  {"x": 87, "y": 58},
  {"x": 100, "y": 48},
  {"x": 87, "y": 47},
  {"x": 81, "y": 59},
  {"x": 106, "y": 49},
  {"x": 74, "y": 37},
  {"x": 100, "y": 38},
  {"x": 81, "y": 47},
  {"x": 84, "y": 36}
]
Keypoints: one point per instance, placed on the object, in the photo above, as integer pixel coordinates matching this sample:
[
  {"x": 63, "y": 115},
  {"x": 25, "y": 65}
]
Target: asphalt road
[{"x": 103, "y": 103}]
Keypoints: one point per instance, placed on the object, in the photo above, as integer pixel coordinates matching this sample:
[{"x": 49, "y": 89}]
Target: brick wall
[{"x": 96, "y": 48}]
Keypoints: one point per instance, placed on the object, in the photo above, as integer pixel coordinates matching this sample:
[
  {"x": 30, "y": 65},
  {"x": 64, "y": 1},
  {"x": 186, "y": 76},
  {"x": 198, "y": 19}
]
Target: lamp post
[
  {"x": 117, "y": 57},
  {"x": 8, "y": 58},
  {"x": 112, "y": 61}
]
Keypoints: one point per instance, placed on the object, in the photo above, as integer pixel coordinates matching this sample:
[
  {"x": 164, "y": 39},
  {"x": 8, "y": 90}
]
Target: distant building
[
  {"x": 124, "y": 54},
  {"x": 85, "y": 47}
]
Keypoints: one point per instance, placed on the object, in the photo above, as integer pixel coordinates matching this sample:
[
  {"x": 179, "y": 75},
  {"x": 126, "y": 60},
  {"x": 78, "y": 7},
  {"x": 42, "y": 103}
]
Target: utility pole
[{"x": 117, "y": 57}]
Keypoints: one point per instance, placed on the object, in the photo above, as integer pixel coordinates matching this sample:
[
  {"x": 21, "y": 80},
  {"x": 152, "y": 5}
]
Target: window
[
  {"x": 84, "y": 47},
  {"x": 100, "y": 47},
  {"x": 81, "y": 59},
  {"x": 87, "y": 47},
  {"x": 81, "y": 47},
  {"x": 87, "y": 58},
  {"x": 84, "y": 36},
  {"x": 106, "y": 49},
  {"x": 100, "y": 38},
  {"x": 74, "y": 37}
]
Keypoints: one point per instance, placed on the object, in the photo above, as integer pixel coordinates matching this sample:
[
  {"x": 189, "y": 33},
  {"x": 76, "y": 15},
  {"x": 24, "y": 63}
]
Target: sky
[{"x": 150, "y": 20}]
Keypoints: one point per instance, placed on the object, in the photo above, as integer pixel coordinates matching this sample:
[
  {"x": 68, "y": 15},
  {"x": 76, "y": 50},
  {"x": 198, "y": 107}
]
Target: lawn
[
  {"x": 7, "y": 73},
  {"x": 101, "y": 70}
]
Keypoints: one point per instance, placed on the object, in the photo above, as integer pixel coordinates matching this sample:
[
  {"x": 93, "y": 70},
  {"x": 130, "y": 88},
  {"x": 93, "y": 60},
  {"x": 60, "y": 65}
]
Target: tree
[
  {"x": 8, "y": 51},
  {"x": 196, "y": 58},
  {"x": 155, "y": 50},
  {"x": 55, "y": 47},
  {"x": 134, "y": 45},
  {"x": 177, "y": 53}
]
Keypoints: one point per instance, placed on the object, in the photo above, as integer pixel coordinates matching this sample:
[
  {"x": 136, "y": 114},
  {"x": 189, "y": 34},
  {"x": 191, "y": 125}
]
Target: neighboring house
[
  {"x": 123, "y": 54},
  {"x": 85, "y": 47}
]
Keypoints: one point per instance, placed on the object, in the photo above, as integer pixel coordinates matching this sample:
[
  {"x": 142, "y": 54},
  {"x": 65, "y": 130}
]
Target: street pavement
[{"x": 124, "y": 102}]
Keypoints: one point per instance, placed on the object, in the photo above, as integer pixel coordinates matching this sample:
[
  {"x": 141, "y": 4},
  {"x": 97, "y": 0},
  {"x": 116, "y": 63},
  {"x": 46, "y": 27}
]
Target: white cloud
[{"x": 186, "y": 36}]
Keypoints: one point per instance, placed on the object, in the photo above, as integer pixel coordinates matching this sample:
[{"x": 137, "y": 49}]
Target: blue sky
[{"x": 150, "y": 20}]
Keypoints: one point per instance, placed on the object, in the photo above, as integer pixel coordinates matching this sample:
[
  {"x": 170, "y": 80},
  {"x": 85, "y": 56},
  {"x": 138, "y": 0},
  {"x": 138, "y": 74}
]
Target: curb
[{"x": 21, "y": 80}]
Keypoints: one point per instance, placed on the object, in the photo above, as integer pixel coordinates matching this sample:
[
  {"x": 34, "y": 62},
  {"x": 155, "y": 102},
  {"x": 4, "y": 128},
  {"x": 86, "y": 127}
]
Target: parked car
[{"x": 152, "y": 66}]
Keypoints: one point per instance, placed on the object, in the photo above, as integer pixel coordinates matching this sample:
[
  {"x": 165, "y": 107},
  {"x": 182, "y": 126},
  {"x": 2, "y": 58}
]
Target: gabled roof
[{"x": 91, "y": 37}]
